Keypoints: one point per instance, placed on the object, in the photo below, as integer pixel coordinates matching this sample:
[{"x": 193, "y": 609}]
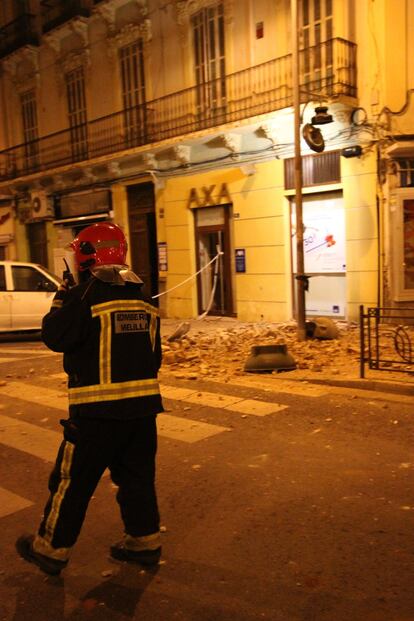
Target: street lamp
[{"x": 314, "y": 139}]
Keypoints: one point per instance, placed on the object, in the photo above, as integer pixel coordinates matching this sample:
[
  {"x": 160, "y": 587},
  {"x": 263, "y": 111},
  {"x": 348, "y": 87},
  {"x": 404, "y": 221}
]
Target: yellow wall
[
  {"x": 359, "y": 192},
  {"x": 258, "y": 225}
]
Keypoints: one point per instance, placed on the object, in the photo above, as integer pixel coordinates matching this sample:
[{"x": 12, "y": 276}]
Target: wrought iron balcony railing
[
  {"x": 18, "y": 33},
  {"x": 328, "y": 69},
  {"x": 56, "y": 12}
]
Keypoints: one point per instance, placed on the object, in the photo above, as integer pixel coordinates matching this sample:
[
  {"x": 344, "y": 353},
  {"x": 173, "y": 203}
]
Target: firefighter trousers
[{"x": 128, "y": 450}]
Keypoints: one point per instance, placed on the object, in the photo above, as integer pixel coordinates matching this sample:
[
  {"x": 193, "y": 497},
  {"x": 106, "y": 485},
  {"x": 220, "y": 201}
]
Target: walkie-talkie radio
[{"x": 67, "y": 275}]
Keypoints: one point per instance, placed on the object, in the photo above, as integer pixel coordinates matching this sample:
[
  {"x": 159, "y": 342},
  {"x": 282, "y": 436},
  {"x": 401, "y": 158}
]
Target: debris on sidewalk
[{"x": 208, "y": 349}]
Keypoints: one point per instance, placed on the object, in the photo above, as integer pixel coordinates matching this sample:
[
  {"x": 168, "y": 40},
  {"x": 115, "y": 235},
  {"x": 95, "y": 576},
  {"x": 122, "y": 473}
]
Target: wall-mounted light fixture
[
  {"x": 321, "y": 116},
  {"x": 313, "y": 135},
  {"x": 354, "y": 151}
]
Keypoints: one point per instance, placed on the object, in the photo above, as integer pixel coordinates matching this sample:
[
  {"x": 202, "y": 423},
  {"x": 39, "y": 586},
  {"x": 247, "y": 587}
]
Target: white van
[{"x": 26, "y": 294}]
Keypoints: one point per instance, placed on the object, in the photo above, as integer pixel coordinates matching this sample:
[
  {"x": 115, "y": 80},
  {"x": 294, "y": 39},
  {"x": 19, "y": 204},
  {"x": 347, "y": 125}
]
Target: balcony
[
  {"x": 57, "y": 12},
  {"x": 17, "y": 34},
  {"x": 328, "y": 69}
]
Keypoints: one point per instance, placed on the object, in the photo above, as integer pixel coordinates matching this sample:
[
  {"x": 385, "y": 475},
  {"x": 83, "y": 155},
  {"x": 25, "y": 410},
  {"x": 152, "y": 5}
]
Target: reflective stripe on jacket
[{"x": 110, "y": 337}]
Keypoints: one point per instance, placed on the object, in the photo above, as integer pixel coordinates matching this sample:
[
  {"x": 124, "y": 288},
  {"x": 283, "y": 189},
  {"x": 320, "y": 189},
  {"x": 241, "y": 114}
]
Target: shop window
[
  {"x": 403, "y": 234},
  {"x": 324, "y": 253}
]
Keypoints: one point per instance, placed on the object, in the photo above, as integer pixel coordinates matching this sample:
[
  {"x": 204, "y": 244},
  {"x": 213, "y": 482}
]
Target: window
[
  {"x": 2, "y": 278},
  {"x": 403, "y": 245},
  {"x": 37, "y": 237},
  {"x": 406, "y": 172},
  {"x": 30, "y": 128},
  {"x": 317, "y": 32},
  {"x": 209, "y": 59},
  {"x": 133, "y": 92},
  {"x": 76, "y": 102},
  {"x": 30, "y": 279},
  {"x": 316, "y": 170}
]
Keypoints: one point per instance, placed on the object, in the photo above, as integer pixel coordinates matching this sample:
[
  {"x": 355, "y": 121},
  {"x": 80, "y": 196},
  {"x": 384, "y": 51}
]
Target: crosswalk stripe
[
  {"x": 32, "y": 439},
  {"x": 56, "y": 399},
  {"x": 10, "y": 503},
  {"x": 184, "y": 429},
  {"x": 172, "y": 427},
  {"x": 255, "y": 407},
  {"x": 20, "y": 350},
  {"x": 47, "y": 397}
]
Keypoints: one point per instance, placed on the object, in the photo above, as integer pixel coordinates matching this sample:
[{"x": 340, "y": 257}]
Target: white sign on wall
[
  {"x": 324, "y": 235},
  {"x": 324, "y": 254}
]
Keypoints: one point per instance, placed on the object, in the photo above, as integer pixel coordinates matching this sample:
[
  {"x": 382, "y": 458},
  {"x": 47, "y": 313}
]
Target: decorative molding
[
  {"x": 53, "y": 40},
  {"x": 268, "y": 131},
  {"x": 108, "y": 11},
  {"x": 232, "y": 142},
  {"x": 186, "y": 8},
  {"x": 78, "y": 26},
  {"x": 59, "y": 182},
  {"x": 28, "y": 80},
  {"x": 182, "y": 153},
  {"x": 129, "y": 34},
  {"x": 72, "y": 60},
  {"x": 150, "y": 160},
  {"x": 88, "y": 175},
  {"x": 114, "y": 169}
]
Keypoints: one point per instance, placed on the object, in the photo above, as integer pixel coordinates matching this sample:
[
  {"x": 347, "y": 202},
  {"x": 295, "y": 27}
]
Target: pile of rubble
[{"x": 194, "y": 353}]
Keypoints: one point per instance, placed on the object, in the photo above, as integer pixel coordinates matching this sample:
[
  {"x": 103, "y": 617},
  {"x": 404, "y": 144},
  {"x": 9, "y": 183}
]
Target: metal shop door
[
  {"x": 143, "y": 234},
  {"x": 37, "y": 236},
  {"x": 214, "y": 282}
]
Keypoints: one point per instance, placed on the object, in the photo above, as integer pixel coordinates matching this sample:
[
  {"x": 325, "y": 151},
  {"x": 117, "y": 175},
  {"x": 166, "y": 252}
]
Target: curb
[{"x": 360, "y": 384}]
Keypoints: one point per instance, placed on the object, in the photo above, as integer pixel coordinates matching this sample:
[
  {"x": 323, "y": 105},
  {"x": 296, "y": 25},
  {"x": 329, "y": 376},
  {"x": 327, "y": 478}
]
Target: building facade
[{"x": 174, "y": 119}]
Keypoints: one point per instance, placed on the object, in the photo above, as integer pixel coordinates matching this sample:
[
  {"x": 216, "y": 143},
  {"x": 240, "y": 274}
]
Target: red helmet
[{"x": 100, "y": 244}]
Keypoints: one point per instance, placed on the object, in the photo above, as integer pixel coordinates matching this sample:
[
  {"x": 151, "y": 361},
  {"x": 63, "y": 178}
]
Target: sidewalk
[{"x": 216, "y": 345}]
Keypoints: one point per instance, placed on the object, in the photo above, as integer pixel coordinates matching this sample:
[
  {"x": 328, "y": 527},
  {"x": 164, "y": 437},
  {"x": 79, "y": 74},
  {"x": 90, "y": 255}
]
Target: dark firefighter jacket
[{"x": 110, "y": 337}]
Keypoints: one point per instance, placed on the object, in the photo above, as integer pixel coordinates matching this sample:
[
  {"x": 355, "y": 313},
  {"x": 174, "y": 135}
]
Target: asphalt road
[{"x": 280, "y": 500}]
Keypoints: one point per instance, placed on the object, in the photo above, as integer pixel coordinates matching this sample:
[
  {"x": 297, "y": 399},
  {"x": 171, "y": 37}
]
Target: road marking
[
  {"x": 175, "y": 393},
  {"x": 47, "y": 397},
  {"x": 10, "y": 503},
  {"x": 255, "y": 407},
  {"x": 186, "y": 430},
  {"x": 20, "y": 350},
  {"x": 32, "y": 439},
  {"x": 2, "y": 360},
  {"x": 172, "y": 427},
  {"x": 213, "y": 400}
]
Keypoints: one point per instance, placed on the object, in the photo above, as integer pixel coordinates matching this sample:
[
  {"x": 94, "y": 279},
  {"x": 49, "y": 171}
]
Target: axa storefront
[{"x": 226, "y": 239}]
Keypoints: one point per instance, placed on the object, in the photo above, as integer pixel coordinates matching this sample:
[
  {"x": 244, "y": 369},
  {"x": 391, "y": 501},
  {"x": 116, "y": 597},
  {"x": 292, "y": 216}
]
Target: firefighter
[{"x": 109, "y": 334}]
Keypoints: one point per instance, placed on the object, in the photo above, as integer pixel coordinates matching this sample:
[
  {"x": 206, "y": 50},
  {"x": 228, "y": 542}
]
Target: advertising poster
[{"x": 324, "y": 235}]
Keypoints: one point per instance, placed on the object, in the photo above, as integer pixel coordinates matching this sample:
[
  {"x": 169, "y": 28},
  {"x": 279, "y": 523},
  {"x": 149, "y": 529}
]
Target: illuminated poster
[
  {"x": 324, "y": 235},
  {"x": 324, "y": 254}
]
